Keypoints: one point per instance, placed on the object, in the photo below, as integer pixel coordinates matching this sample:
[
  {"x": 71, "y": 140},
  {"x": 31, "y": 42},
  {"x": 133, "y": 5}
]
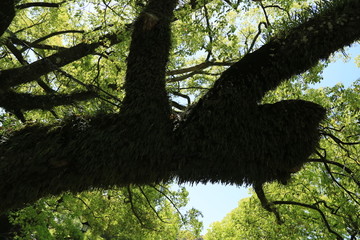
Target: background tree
[
  {"x": 93, "y": 98},
  {"x": 135, "y": 212}
]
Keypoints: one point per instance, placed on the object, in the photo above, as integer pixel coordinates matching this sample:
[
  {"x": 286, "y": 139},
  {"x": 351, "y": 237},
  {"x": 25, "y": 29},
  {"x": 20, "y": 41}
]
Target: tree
[
  {"x": 150, "y": 212},
  {"x": 228, "y": 136}
]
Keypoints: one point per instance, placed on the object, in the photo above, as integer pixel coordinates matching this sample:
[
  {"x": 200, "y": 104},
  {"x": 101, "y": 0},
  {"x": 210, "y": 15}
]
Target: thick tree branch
[
  {"x": 38, "y": 4},
  {"x": 16, "y": 76},
  {"x": 149, "y": 53},
  {"x": 28, "y": 73},
  {"x": 17, "y": 110},
  {"x": 146, "y": 104},
  {"x": 25, "y": 101},
  {"x": 21, "y": 59},
  {"x": 7, "y": 14},
  {"x": 15, "y": 52}
]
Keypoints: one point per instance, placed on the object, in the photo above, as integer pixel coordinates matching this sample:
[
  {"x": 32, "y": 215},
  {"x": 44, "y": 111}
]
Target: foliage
[{"x": 125, "y": 213}]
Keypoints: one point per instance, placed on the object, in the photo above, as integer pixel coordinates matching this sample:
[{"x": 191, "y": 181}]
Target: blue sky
[
  {"x": 340, "y": 71},
  {"x": 216, "y": 200}
]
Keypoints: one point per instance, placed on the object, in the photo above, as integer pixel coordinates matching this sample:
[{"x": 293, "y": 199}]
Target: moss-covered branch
[
  {"x": 146, "y": 105},
  {"x": 73, "y": 156},
  {"x": 7, "y": 14},
  {"x": 149, "y": 53}
]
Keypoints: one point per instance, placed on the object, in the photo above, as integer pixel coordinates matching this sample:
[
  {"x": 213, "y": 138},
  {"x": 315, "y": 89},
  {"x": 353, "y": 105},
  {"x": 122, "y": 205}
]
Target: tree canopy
[{"x": 99, "y": 94}]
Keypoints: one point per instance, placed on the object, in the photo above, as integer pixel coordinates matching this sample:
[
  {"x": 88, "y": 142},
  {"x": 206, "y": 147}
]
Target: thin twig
[
  {"x": 276, "y": 6},
  {"x": 208, "y": 28},
  {"x": 351, "y": 194},
  {"x": 151, "y": 206},
  {"x": 171, "y": 202},
  {"x": 346, "y": 169},
  {"x": 198, "y": 67},
  {"x": 265, "y": 13},
  {"x": 183, "y": 96},
  {"x": 337, "y": 140},
  {"x": 133, "y": 207},
  {"x": 266, "y": 204},
  {"x": 338, "y": 236},
  {"x": 87, "y": 206},
  {"x": 256, "y": 36}
]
